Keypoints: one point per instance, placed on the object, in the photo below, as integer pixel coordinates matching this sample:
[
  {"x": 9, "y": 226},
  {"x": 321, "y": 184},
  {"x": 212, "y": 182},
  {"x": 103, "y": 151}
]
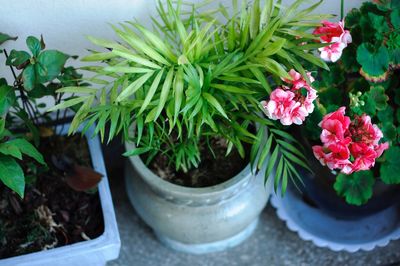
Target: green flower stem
[{"x": 341, "y": 9}]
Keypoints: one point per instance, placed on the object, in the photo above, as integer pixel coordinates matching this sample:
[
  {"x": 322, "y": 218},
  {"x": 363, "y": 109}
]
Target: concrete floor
[{"x": 271, "y": 244}]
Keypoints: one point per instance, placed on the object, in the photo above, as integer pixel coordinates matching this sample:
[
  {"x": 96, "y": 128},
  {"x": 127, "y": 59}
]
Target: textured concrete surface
[{"x": 271, "y": 244}]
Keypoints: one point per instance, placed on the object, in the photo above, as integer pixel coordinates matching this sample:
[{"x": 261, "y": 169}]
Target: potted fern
[
  {"x": 52, "y": 211},
  {"x": 185, "y": 97}
]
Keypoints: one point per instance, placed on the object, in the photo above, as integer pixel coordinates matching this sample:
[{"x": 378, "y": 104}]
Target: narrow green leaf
[
  {"x": 133, "y": 87},
  {"x": 154, "y": 86},
  {"x": 125, "y": 69},
  {"x": 278, "y": 173},
  {"x": 136, "y": 59},
  {"x": 178, "y": 92},
  {"x": 137, "y": 151},
  {"x": 230, "y": 88},
  {"x": 77, "y": 90},
  {"x": 68, "y": 103},
  {"x": 265, "y": 151},
  {"x": 98, "y": 57},
  {"x": 271, "y": 163},
  {"x": 214, "y": 102},
  {"x": 164, "y": 92}
]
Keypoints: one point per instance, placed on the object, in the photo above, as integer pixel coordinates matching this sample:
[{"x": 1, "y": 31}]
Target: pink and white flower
[
  {"x": 335, "y": 34},
  {"x": 280, "y": 104},
  {"x": 298, "y": 81},
  {"x": 289, "y": 105},
  {"x": 297, "y": 114},
  {"x": 349, "y": 146}
]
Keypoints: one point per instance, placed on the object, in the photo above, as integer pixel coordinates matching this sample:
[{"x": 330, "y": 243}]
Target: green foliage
[
  {"x": 41, "y": 73},
  {"x": 7, "y": 98},
  {"x": 195, "y": 77},
  {"x": 12, "y": 175},
  {"x": 391, "y": 166},
  {"x": 378, "y": 96},
  {"x": 374, "y": 64},
  {"x": 355, "y": 188},
  {"x": 365, "y": 80},
  {"x": 5, "y": 37},
  {"x": 40, "y": 67}
]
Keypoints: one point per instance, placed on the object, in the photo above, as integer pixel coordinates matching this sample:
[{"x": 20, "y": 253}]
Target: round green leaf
[
  {"x": 355, "y": 188},
  {"x": 50, "y": 64}
]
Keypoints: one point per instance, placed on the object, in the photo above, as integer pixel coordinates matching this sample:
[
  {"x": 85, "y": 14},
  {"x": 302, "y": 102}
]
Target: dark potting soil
[
  {"x": 51, "y": 214},
  {"x": 213, "y": 169}
]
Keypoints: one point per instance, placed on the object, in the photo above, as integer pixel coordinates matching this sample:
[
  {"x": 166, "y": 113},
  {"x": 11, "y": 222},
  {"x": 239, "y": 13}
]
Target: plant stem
[
  {"x": 341, "y": 9},
  {"x": 26, "y": 104}
]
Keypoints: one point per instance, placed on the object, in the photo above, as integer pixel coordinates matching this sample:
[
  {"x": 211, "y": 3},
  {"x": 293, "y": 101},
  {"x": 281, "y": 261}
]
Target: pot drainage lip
[{"x": 324, "y": 230}]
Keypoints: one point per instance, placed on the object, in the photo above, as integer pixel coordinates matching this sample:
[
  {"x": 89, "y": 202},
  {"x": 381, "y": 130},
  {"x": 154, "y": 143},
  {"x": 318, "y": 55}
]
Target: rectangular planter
[{"x": 87, "y": 253}]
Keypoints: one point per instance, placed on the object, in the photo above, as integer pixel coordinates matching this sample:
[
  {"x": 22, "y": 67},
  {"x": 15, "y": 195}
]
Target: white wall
[{"x": 64, "y": 23}]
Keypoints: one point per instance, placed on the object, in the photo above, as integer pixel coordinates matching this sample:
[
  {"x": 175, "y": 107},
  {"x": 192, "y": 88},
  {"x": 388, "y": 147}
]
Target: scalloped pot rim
[{"x": 296, "y": 225}]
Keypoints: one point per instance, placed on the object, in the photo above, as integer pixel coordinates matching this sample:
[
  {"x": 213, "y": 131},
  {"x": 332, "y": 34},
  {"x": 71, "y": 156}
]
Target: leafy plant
[
  {"x": 197, "y": 77},
  {"x": 368, "y": 83},
  {"x": 19, "y": 109}
]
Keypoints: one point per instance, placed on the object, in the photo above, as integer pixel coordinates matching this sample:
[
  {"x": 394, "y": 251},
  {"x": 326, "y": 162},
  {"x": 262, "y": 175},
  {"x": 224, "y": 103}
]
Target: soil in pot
[
  {"x": 51, "y": 214},
  {"x": 215, "y": 167}
]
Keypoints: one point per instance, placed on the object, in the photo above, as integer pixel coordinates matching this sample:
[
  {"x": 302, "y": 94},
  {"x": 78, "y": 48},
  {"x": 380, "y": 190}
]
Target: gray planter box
[{"x": 87, "y": 253}]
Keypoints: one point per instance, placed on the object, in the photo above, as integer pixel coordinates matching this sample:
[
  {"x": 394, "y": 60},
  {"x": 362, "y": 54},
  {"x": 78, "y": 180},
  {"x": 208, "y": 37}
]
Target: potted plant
[
  {"x": 351, "y": 139},
  {"x": 185, "y": 97},
  {"x": 52, "y": 210}
]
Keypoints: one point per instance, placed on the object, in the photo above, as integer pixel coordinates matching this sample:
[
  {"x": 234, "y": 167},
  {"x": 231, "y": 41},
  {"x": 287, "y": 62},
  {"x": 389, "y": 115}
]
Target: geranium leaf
[
  {"x": 355, "y": 188},
  {"x": 374, "y": 64},
  {"x": 395, "y": 18},
  {"x": 377, "y": 93},
  {"x": 386, "y": 115},
  {"x": 390, "y": 169}
]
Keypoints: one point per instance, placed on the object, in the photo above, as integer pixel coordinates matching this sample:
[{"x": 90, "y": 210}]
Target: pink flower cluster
[
  {"x": 350, "y": 146},
  {"x": 336, "y": 34},
  {"x": 288, "y": 104}
]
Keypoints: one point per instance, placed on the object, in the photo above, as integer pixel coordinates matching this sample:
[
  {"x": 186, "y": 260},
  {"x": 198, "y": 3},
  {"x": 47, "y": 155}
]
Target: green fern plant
[{"x": 195, "y": 77}]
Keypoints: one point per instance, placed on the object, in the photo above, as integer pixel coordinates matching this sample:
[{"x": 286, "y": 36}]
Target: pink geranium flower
[
  {"x": 364, "y": 156},
  {"x": 289, "y": 105},
  {"x": 334, "y": 127},
  {"x": 333, "y": 52},
  {"x": 309, "y": 100},
  {"x": 333, "y": 33},
  {"x": 280, "y": 104},
  {"x": 364, "y": 131},
  {"x": 297, "y": 114},
  {"x": 349, "y": 146},
  {"x": 298, "y": 80}
]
